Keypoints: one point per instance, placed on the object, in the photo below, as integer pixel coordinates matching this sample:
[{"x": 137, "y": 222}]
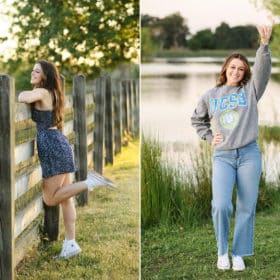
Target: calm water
[{"x": 169, "y": 94}]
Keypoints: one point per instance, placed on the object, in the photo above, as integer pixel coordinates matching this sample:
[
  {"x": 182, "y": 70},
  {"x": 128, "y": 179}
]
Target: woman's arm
[
  {"x": 201, "y": 122},
  {"x": 262, "y": 65},
  {"x": 31, "y": 96}
]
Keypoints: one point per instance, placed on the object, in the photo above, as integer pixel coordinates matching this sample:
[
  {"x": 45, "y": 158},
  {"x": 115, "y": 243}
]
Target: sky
[{"x": 201, "y": 14}]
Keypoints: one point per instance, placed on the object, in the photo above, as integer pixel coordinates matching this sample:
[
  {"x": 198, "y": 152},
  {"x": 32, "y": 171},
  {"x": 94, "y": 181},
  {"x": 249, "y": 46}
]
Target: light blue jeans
[{"x": 243, "y": 167}]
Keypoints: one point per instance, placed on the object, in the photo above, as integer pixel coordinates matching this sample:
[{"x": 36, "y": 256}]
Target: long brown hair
[
  {"x": 222, "y": 79},
  {"x": 52, "y": 82}
]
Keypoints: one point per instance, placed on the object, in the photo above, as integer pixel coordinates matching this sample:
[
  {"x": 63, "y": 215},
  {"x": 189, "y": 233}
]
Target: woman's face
[
  {"x": 36, "y": 75},
  {"x": 235, "y": 72}
]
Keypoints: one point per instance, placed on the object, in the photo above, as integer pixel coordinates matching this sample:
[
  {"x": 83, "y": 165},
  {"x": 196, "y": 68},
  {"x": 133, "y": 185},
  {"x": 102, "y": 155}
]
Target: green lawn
[
  {"x": 190, "y": 253},
  {"x": 107, "y": 231}
]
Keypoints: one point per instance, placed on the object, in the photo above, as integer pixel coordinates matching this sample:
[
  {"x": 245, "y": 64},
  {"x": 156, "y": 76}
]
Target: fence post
[
  {"x": 7, "y": 174},
  {"x": 117, "y": 116},
  {"x": 109, "y": 141},
  {"x": 124, "y": 106},
  {"x": 80, "y": 127},
  {"x": 99, "y": 125},
  {"x": 135, "y": 95},
  {"x": 131, "y": 107}
]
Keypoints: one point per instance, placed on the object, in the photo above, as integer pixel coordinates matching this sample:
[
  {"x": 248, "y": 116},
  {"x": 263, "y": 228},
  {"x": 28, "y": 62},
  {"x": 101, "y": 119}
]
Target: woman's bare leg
[
  {"x": 55, "y": 190},
  {"x": 69, "y": 213}
]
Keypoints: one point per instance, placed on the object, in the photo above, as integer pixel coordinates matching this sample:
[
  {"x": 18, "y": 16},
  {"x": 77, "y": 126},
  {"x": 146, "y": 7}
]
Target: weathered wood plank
[
  {"x": 81, "y": 133},
  {"x": 27, "y": 180},
  {"x": 68, "y": 127},
  {"x": 109, "y": 125},
  {"x": 24, "y": 151},
  {"x": 7, "y": 171},
  {"x": 99, "y": 124},
  {"x": 22, "y": 112},
  {"x": 131, "y": 108},
  {"x": 25, "y": 216},
  {"x": 27, "y": 166},
  {"x": 28, "y": 197},
  {"x": 136, "y": 107},
  {"x": 125, "y": 112},
  {"x": 28, "y": 240},
  {"x": 117, "y": 116}
]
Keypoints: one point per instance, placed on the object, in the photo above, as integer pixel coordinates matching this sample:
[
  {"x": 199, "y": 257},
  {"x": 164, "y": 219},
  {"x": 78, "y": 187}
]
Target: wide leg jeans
[{"x": 241, "y": 167}]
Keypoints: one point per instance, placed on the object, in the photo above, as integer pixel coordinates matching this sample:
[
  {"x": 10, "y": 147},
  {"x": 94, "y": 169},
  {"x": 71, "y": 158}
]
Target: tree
[
  {"x": 237, "y": 37},
  {"x": 174, "y": 31},
  {"x": 147, "y": 20},
  {"x": 244, "y": 37},
  {"x": 148, "y": 44},
  {"x": 222, "y": 36},
  {"x": 203, "y": 39},
  {"x": 79, "y": 36}
]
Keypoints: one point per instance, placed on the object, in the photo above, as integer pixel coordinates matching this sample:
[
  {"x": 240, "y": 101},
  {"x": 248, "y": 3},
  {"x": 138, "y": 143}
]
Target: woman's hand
[
  {"x": 218, "y": 138},
  {"x": 265, "y": 33}
]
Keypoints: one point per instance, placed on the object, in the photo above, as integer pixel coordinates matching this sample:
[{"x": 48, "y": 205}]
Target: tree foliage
[
  {"x": 241, "y": 36},
  {"x": 174, "y": 31},
  {"x": 225, "y": 37},
  {"x": 147, "y": 20},
  {"x": 78, "y": 35},
  {"x": 168, "y": 32},
  {"x": 203, "y": 39},
  {"x": 148, "y": 45}
]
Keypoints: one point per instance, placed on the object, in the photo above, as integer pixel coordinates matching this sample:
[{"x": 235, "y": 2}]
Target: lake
[{"x": 169, "y": 94}]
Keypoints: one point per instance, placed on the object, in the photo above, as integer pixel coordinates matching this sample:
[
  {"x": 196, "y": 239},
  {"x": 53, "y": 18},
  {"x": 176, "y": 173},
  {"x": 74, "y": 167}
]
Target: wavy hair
[
  {"x": 52, "y": 82},
  {"x": 222, "y": 79}
]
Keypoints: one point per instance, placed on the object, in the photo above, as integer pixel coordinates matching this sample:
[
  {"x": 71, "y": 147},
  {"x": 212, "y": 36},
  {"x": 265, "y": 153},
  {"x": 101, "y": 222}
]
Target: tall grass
[
  {"x": 270, "y": 133},
  {"x": 170, "y": 196}
]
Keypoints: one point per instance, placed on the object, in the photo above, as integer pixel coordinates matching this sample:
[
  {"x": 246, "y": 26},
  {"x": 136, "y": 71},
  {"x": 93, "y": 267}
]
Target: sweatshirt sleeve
[
  {"x": 261, "y": 71},
  {"x": 201, "y": 121}
]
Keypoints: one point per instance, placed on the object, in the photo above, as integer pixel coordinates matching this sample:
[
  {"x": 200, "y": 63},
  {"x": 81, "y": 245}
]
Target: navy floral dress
[{"x": 54, "y": 151}]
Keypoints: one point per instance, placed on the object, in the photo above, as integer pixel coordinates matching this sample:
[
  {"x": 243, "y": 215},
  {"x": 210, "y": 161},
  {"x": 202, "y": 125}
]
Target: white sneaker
[
  {"x": 238, "y": 263},
  {"x": 95, "y": 180},
  {"x": 223, "y": 262},
  {"x": 70, "y": 248}
]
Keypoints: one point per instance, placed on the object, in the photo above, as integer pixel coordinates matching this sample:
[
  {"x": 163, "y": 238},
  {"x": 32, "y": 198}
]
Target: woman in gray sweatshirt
[{"x": 227, "y": 117}]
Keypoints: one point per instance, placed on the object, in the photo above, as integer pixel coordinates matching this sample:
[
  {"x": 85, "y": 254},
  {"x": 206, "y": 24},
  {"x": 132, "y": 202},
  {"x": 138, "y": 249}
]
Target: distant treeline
[{"x": 173, "y": 32}]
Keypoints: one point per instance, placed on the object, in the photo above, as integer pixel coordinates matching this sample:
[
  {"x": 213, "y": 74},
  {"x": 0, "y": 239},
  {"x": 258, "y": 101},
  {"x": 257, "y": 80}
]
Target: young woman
[
  {"x": 54, "y": 150},
  {"x": 227, "y": 117}
]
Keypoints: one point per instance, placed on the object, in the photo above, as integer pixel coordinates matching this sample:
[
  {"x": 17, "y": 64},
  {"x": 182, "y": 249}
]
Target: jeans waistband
[{"x": 251, "y": 147}]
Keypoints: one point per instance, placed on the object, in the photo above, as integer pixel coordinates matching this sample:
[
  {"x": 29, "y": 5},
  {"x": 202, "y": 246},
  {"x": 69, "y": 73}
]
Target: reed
[
  {"x": 174, "y": 194},
  {"x": 270, "y": 133}
]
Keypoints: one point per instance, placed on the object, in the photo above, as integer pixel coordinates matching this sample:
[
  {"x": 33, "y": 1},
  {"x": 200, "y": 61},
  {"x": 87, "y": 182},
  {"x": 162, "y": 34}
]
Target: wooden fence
[{"x": 100, "y": 117}]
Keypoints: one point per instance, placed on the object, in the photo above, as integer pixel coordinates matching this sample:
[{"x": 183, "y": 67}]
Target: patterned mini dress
[{"x": 54, "y": 150}]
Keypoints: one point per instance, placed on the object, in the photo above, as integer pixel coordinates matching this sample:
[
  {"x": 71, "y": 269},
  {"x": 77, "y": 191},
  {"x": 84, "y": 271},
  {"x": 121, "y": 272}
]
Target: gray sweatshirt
[{"x": 232, "y": 110}]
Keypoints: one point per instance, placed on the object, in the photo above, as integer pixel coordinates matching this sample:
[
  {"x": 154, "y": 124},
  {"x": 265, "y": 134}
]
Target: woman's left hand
[{"x": 265, "y": 33}]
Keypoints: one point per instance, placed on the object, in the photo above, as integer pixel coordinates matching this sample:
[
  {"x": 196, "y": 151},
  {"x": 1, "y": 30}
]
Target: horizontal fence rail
[{"x": 100, "y": 117}]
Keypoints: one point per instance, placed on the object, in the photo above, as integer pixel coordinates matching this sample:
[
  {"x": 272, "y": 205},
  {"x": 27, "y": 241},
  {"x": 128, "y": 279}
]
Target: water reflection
[{"x": 169, "y": 93}]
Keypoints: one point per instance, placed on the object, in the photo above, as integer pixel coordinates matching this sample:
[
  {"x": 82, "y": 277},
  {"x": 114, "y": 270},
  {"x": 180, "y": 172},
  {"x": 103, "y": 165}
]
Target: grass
[
  {"x": 270, "y": 133},
  {"x": 182, "y": 194},
  {"x": 181, "y": 252},
  {"x": 107, "y": 230},
  {"x": 178, "y": 240}
]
